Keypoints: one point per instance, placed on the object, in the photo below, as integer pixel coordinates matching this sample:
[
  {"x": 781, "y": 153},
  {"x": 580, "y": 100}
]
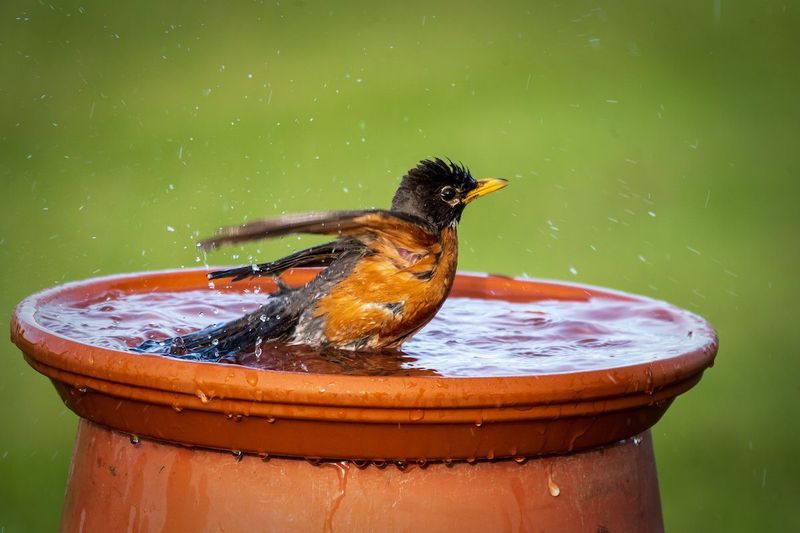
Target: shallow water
[{"x": 469, "y": 337}]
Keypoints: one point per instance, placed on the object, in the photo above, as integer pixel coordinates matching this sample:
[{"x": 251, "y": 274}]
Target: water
[{"x": 469, "y": 337}]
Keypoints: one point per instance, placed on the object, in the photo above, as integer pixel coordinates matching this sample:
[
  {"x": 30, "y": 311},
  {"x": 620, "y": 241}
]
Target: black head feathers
[
  {"x": 435, "y": 192},
  {"x": 437, "y": 170}
]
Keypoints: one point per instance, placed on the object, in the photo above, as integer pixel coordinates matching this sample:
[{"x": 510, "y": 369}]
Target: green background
[{"x": 652, "y": 147}]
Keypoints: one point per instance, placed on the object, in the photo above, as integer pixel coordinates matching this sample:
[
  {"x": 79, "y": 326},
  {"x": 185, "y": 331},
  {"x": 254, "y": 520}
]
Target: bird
[{"x": 385, "y": 275}]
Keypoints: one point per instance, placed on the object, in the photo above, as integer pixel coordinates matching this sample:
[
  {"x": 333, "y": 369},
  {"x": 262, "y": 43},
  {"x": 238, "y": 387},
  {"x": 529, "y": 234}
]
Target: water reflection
[{"x": 276, "y": 356}]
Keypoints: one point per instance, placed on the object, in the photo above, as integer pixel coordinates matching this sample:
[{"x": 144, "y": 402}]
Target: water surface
[{"x": 468, "y": 338}]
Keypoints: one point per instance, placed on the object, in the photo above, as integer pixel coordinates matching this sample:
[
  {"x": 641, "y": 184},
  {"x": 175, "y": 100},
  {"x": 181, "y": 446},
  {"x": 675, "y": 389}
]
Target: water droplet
[
  {"x": 554, "y": 489},
  {"x": 637, "y": 439},
  {"x": 649, "y": 386},
  {"x": 134, "y": 439},
  {"x": 238, "y": 455}
]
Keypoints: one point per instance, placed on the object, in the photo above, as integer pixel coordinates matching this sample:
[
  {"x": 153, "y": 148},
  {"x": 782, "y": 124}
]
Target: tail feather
[{"x": 270, "y": 322}]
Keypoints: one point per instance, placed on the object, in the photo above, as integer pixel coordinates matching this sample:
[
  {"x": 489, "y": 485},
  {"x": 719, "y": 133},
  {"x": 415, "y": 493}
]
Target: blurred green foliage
[{"x": 652, "y": 148}]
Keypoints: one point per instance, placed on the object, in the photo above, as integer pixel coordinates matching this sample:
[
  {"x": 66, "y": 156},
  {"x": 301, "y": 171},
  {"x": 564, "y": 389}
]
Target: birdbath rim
[{"x": 91, "y": 379}]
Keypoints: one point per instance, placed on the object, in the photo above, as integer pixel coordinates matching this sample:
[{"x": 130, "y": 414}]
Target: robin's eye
[{"x": 447, "y": 193}]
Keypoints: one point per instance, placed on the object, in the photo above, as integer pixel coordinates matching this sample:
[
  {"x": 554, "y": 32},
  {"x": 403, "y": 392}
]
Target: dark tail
[{"x": 270, "y": 322}]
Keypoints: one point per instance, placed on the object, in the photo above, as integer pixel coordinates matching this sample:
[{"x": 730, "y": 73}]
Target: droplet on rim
[{"x": 554, "y": 489}]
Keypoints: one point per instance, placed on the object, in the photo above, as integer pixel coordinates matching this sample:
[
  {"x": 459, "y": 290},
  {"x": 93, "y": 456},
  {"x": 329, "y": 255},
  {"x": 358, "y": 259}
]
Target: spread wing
[
  {"x": 316, "y": 256},
  {"x": 357, "y": 230},
  {"x": 343, "y": 223}
]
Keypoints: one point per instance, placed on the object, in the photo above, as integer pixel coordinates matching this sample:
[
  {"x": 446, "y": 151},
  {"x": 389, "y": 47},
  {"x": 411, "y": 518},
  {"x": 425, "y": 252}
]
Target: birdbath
[{"x": 174, "y": 445}]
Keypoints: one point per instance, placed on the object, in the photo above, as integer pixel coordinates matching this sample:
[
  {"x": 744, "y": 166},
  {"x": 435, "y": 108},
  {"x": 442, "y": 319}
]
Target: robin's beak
[{"x": 484, "y": 187}]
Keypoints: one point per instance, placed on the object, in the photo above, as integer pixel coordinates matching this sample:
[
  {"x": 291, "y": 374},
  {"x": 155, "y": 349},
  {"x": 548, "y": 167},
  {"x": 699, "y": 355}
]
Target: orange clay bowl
[{"x": 336, "y": 417}]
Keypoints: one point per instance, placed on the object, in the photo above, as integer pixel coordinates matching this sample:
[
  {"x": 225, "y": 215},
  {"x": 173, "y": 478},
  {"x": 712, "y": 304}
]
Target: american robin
[{"x": 387, "y": 272}]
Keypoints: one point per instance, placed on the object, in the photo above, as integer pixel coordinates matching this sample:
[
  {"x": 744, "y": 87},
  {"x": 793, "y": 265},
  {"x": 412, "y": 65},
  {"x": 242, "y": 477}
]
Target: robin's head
[{"x": 437, "y": 192}]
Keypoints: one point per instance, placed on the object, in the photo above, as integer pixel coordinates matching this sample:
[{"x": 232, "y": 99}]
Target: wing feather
[
  {"x": 316, "y": 256},
  {"x": 347, "y": 223}
]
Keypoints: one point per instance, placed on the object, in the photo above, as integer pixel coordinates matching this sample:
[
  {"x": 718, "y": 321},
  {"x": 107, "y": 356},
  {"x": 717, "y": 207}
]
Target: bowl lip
[{"x": 48, "y": 349}]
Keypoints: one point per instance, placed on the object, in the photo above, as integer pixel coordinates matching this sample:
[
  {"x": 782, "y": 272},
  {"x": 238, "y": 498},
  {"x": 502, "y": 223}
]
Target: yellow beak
[{"x": 484, "y": 187}]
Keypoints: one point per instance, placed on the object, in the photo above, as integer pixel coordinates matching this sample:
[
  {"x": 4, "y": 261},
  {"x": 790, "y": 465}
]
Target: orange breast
[{"x": 392, "y": 293}]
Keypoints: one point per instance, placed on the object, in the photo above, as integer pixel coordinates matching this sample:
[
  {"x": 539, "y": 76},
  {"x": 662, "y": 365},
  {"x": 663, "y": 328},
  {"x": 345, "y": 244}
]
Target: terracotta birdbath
[{"x": 166, "y": 444}]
